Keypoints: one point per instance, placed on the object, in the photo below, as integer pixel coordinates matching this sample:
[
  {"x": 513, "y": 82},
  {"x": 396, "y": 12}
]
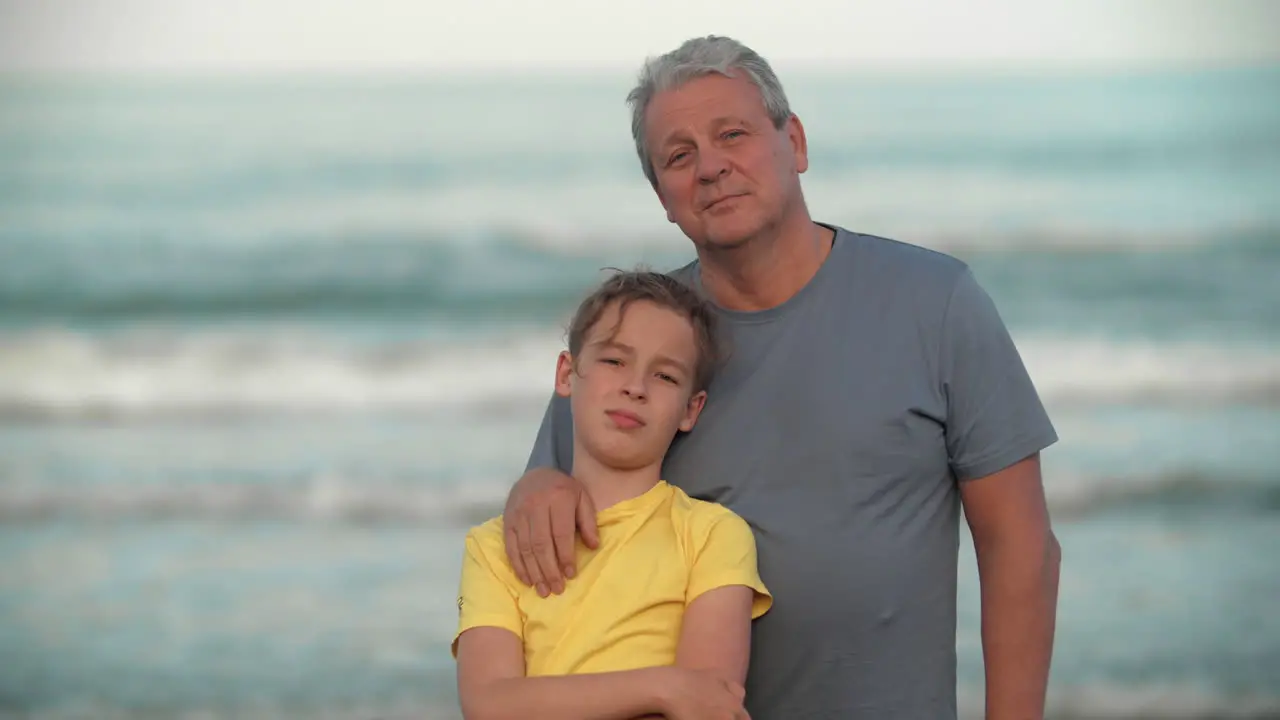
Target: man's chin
[
  {"x": 726, "y": 241},
  {"x": 728, "y": 234}
]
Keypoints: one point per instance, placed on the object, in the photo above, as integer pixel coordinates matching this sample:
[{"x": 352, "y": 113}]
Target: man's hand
[
  {"x": 544, "y": 514},
  {"x": 702, "y": 695}
]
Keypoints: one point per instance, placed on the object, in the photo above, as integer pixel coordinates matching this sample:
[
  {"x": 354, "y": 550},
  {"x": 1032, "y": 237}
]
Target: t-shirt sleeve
[
  {"x": 553, "y": 447},
  {"x": 485, "y": 594},
  {"x": 727, "y": 556},
  {"x": 994, "y": 415}
]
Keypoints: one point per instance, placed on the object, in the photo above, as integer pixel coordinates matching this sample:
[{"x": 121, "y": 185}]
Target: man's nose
[{"x": 712, "y": 164}]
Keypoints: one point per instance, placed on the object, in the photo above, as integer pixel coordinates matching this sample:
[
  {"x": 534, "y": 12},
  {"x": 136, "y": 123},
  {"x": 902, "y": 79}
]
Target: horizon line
[{"x": 601, "y": 71}]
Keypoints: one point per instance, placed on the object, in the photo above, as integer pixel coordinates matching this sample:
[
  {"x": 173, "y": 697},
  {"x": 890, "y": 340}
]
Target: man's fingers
[
  {"x": 544, "y": 552},
  {"x": 541, "y": 560},
  {"x": 530, "y": 560},
  {"x": 587, "y": 527},
  {"x": 513, "y": 552},
  {"x": 562, "y": 538}
]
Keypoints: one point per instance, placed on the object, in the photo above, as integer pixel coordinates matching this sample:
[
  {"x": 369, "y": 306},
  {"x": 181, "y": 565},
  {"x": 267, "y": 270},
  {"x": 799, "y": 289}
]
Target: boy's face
[{"x": 633, "y": 388}]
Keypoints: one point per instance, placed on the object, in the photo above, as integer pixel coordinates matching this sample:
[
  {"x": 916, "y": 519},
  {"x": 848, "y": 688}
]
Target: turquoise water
[{"x": 267, "y": 348}]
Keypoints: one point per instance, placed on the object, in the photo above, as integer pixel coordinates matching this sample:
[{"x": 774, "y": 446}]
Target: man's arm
[
  {"x": 547, "y": 509},
  {"x": 1018, "y": 560},
  {"x": 492, "y": 685},
  {"x": 996, "y": 428}
]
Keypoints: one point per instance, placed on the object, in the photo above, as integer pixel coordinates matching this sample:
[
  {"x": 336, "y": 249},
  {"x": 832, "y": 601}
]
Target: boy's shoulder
[
  {"x": 488, "y": 535},
  {"x": 701, "y": 516}
]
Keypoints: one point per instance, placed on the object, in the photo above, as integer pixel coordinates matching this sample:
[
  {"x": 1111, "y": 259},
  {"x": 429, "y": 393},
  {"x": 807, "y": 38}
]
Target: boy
[{"x": 658, "y": 621}]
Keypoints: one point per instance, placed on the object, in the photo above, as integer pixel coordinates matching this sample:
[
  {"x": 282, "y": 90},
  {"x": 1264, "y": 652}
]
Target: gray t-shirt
[{"x": 839, "y": 429}]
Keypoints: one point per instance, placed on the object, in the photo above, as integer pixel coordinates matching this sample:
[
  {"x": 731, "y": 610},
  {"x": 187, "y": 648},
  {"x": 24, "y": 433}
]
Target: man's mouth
[{"x": 718, "y": 201}]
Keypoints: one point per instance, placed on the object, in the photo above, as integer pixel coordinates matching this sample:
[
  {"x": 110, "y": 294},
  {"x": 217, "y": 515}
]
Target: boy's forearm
[
  {"x": 622, "y": 695},
  {"x": 1019, "y": 604}
]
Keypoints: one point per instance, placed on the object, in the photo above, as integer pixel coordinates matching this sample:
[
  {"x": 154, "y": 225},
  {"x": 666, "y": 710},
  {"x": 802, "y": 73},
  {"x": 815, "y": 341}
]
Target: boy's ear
[
  {"x": 564, "y": 374},
  {"x": 692, "y": 410}
]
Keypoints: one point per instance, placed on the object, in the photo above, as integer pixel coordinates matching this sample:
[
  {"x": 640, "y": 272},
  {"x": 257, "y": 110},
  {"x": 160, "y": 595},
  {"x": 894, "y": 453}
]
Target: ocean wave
[
  {"x": 392, "y": 276},
  {"x": 1090, "y": 371},
  {"x": 1091, "y": 702},
  {"x": 1073, "y": 496},
  {"x": 1101, "y": 701},
  {"x": 65, "y": 376},
  {"x": 535, "y": 270},
  {"x": 324, "y": 498},
  {"x": 68, "y": 376},
  {"x": 332, "y": 498}
]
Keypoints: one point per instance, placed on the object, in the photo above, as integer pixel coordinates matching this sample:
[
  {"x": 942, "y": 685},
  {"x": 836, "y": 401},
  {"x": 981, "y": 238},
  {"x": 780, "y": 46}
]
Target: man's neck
[
  {"x": 766, "y": 271},
  {"x": 609, "y": 486}
]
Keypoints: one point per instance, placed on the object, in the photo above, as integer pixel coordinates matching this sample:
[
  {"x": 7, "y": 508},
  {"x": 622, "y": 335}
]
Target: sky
[{"x": 374, "y": 35}]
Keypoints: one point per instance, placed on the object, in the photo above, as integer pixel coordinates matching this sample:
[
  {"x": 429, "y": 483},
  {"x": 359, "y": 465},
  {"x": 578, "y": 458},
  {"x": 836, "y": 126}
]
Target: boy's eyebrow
[
  {"x": 662, "y": 359},
  {"x": 615, "y": 345},
  {"x": 674, "y": 363}
]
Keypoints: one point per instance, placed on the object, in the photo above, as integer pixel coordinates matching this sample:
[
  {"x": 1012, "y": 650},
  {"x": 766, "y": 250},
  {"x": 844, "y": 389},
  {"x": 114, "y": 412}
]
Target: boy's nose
[{"x": 634, "y": 387}]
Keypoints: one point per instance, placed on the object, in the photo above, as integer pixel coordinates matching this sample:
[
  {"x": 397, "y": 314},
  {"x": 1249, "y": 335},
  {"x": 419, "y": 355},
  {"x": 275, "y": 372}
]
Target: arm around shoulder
[{"x": 546, "y": 509}]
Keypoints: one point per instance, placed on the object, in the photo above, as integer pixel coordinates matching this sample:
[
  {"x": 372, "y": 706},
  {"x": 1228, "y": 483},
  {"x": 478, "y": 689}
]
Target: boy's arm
[
  {"x": 725, "y": 595},
  {"x": 492, "y": 685},
  {"x": 716, "y": 634}
]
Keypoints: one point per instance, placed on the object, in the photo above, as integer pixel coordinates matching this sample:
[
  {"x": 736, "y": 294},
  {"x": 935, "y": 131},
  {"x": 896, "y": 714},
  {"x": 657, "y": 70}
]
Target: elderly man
[{"x": 872, "y": 391}]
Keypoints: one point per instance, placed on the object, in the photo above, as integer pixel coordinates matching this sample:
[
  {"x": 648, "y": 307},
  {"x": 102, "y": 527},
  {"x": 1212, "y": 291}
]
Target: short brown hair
[{"x": 626, "y": 287}]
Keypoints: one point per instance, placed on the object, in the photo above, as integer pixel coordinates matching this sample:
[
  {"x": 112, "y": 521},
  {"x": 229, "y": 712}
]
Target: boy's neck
[{"x": 609, "y": 486}]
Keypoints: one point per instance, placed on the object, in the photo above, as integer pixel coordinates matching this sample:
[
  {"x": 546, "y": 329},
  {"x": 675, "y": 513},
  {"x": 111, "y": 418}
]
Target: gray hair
[{"x": 693, "y": 59}]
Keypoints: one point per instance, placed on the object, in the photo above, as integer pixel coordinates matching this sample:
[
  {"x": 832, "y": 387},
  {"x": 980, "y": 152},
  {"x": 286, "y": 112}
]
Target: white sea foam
[{"x": 56, "y": 375}]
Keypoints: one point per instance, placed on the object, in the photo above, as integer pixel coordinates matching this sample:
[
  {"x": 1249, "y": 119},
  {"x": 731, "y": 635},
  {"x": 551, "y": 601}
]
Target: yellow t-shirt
[{"x": 623, "y": 610}]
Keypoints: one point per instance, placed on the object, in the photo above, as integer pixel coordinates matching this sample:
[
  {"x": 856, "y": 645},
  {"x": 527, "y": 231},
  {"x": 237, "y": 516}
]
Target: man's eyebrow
[{"x": 680, "y": 135}]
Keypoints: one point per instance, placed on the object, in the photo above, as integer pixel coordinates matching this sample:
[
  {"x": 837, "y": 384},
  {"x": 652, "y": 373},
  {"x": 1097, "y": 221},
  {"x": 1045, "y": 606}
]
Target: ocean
[{"x": 269, "y": 346}]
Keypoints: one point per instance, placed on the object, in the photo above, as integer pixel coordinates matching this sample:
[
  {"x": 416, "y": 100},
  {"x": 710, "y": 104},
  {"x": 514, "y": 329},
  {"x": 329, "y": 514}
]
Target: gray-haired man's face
[{"x": 724, "y": 172}]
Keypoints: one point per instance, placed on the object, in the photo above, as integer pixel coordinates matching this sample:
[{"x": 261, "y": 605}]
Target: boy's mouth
[{"x": 625, "y": 419}]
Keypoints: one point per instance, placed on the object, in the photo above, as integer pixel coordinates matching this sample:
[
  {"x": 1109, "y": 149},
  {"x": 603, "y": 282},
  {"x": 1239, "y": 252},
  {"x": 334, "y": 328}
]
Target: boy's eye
[
  {"x": 668, "y": 378},
  {"x": 611, "y": 361}
]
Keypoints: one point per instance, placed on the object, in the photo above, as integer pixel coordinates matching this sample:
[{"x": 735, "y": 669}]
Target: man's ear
[
  {"x": 564, "y": 374},
  {"x": 692, "y": 410},
  {"x": 799, "y": 143}
]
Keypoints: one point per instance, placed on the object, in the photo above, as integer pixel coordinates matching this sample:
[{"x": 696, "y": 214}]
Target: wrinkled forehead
[{"x": 702, "y": 103}]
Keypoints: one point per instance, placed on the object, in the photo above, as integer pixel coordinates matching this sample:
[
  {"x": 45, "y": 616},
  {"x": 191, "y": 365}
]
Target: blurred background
[{"x": 282, "y": 285}]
